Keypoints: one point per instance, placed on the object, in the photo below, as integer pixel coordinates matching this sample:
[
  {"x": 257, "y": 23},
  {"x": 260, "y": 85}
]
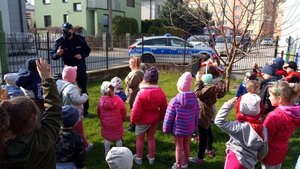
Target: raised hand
[{"x": 43, "y": 68}]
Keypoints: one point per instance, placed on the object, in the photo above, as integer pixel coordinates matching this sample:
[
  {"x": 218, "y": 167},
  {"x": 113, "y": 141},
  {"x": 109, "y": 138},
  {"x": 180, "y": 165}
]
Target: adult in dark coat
[{"x": 73, "y": 50}]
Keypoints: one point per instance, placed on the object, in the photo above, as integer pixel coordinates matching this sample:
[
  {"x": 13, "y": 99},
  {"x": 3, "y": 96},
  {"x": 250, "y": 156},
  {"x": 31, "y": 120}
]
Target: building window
[
  {"x": 237, "y": 7},
  {"x": 64, "y": 1},
  {"x": 130, "y": 3},
  {"x": 77, "y": 6},
  {"x": 237, "y": 17},
  {"x": 46, "y": 1},
  {"x": 66, "y": 18},
  {"x": 105, "y": 20},
  {"x": 47, "y": 20}
]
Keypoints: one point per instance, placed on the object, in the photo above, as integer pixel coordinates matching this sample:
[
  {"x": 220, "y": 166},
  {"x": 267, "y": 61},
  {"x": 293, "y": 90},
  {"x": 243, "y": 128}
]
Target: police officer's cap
[{"x": 66, "y": 26}]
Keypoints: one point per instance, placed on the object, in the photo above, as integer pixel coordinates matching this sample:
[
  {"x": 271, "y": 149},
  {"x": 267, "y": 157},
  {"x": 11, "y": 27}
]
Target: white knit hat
[
  {"x": 250, "y": 104},
  {"x": 119, "y": 158},
  {"x": 104, "y": 87}
]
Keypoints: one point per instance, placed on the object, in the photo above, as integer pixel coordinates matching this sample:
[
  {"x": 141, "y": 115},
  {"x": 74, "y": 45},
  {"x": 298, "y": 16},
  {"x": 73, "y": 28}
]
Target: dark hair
[{"x": 4, "y": 127}]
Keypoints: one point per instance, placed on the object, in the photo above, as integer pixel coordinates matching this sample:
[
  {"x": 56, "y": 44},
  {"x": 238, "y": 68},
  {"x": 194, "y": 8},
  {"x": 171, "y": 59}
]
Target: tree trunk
[{"x": 228, "y": 76}]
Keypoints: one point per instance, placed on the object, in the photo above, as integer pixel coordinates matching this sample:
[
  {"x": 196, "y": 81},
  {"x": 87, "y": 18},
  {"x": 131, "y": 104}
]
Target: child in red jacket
[
  {"x": 148, "y": 110},
  {"x": 281, "y": 122}
]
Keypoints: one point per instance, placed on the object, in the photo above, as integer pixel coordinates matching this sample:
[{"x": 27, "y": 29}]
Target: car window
[
  {"x": 178, "y": 43},
  {"x": 159, "y": 42}
]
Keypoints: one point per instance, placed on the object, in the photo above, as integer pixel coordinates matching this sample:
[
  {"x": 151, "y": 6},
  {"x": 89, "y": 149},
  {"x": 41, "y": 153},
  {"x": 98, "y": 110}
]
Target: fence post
[
  {"x": 106, "y": 49},
  {"x": 127, "y": 39},
  {"x": 3, "y": 52},
  {"x": 276, "y": 46},
  {"x": 48, "y": 47}
]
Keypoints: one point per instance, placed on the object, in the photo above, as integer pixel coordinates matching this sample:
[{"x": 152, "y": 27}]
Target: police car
[{"x": 167, "y": 49}]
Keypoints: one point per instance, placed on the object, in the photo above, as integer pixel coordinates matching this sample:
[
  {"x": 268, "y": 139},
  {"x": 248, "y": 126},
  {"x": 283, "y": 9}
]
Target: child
[
  {"x": 248, "y": 137},
  {"x": 112, "y": 113},
  {"x": 70, "y": 94},
  {"x": 30, "y": 82},
  {"x": 69, "y": 146},
  {"x": 119, "y": 158},
  {"x": 132, "y": 81},
  {"x": 281, "y": 122},
  {"x": 242, "y": 87},
  {"x": 181, "y": 119},
  {"x": 292, "y": 75},
  {"x": 11, "y": 88},
  {"x": 116, "y": 82},
  {"x": 269, "y": 75},
  {"x": 207, "y": 90},
  {"x": 252, "y": 88},
  {"x": 148, "y": 110},
  {"x": 25, "y": 140}
]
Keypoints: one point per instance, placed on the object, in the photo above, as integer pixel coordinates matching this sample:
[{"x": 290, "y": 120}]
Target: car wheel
[{"x": 147, "y": 59}]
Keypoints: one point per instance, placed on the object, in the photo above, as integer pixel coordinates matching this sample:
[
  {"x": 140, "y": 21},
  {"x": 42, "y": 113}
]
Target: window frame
[
  {"x": 130, "y": 3},
  {"x": 75, "y": 7},
  {"x": 46, "y": 2},
  {"x": 46, "y": 19}
]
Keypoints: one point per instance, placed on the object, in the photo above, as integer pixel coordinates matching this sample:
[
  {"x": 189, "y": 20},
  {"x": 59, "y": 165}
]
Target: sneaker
[
  {"x": 210, "y": 153},
  {"x": 89, "y": 147},
  {"x": 184, "y": 166},
  {"x": 196, "y": 160},
  {"x": 151, "y": 160},
  {"x": 174, "y": 166},
  {"x": 137, "y": 160}
]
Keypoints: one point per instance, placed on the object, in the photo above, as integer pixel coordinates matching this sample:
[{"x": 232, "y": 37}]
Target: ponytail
[{"x": 109, "y": 91}]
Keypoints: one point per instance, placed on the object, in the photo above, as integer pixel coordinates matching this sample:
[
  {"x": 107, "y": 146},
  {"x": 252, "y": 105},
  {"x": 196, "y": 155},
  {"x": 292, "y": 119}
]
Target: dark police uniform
[{"x": 71, "y": 47}]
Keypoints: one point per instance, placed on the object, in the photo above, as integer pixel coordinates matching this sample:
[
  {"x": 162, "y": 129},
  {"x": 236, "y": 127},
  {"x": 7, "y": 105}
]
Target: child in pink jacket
[
  {"x": 112, "y": 113},
  {"x": 281, "y": 122},
  {"x": 148, "y": 110}
]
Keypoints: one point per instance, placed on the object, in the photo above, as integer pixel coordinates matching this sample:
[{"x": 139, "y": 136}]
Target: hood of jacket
[
  {"x": 18, "y": 153},
  {"x": 108, "y": 103},
  {"x": 31, "y": 65},
  {"x": 186, "y": 99},
  {"x": 150, "y": 91},
  {"x": 292, "y": 111}
]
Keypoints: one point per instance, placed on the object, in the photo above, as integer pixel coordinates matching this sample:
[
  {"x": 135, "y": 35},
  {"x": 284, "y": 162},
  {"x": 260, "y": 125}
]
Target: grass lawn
[{"x": 165, "y": 148}]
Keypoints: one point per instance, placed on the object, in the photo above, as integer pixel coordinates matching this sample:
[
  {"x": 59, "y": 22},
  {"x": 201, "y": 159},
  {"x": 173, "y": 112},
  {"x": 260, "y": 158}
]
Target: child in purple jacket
[{"x": 181, "y": 119}]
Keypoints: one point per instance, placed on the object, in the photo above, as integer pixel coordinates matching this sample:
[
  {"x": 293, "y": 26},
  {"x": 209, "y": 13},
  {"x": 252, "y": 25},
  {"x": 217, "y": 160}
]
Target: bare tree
[{"x": 241, "y": 16}]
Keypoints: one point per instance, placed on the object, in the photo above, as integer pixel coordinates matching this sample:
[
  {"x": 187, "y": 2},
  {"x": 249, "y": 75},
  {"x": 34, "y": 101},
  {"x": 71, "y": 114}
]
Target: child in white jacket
[
  {"x": 248, "y": 137},
  {"x": 70, "y": 94}
]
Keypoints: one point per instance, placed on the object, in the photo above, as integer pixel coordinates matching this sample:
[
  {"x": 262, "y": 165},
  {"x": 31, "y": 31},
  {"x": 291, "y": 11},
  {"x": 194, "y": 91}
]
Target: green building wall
[{"x": 89, "y": 19}]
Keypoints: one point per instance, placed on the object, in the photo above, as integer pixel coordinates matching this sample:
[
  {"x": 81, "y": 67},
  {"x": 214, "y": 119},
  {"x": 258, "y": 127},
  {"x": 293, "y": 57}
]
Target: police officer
[{"x": 73, "y": 50}]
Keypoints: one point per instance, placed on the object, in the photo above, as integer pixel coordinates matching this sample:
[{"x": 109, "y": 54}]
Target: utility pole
[
  {"x": 110, "y": 24},
  {"x": 150, "y": 9}
]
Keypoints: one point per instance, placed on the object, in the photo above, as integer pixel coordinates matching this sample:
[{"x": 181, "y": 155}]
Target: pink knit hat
[
  {"x": 69, "y": 74},
  {"x": 184, "y": 83}
]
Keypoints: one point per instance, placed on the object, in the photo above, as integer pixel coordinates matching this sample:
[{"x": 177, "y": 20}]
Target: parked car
[
  {"x": 220, "y": 44},
  {"x": 195, "y": 39},
  {"x": 166, "y": 48},
  {"x": 267, "y": 42}
]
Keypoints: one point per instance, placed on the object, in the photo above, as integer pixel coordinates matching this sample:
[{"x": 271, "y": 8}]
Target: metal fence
[{"x": 21, "y": 47}]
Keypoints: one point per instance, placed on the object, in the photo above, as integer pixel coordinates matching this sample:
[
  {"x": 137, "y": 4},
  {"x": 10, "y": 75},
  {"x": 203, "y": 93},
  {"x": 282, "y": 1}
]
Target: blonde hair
[
  {"x": 252, "y": 85},
  {"x": 110, "y": 91},
  {"x": 135, "y": 62},
  {"x": 288, "y": 92}
]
